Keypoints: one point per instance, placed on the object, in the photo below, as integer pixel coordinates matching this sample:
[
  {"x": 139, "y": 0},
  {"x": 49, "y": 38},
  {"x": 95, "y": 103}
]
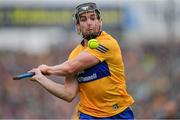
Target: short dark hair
[{"x": 90, "y": 6}]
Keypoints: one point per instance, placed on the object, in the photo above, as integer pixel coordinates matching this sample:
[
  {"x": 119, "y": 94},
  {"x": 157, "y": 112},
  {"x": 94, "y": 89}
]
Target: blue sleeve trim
[{"x": 94, "y": 73}]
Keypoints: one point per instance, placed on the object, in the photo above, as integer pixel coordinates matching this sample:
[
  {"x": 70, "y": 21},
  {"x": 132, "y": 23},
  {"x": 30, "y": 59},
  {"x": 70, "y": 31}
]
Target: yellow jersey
[{"x": 102, "y": 87}]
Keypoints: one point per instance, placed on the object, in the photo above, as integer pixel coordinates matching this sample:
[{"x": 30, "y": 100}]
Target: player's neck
[{"x": 85, "y": 43}]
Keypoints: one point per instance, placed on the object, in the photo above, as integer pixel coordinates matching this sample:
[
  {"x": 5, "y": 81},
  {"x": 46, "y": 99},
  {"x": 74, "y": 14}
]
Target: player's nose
[{"x": 89, "y": 21}]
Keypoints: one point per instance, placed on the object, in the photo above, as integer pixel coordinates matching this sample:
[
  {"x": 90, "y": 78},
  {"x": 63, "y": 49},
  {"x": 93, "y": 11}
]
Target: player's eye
[
  {"x": 83, "y": 19},
  {"x": 93, "y": 17}
]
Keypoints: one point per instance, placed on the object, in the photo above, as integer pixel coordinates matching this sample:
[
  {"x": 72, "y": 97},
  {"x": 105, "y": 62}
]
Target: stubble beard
[{"x": 91, "y": 35}]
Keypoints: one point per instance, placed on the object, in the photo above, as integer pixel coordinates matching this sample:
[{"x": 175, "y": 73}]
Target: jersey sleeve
[
  {"x": 103, "y": 51},
  {"x": 70, "y": 56},
  {"x": 74, "y": 53}
]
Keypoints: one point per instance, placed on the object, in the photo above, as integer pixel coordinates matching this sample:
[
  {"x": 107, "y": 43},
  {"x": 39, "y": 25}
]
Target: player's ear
[
  {"x": 100, "y": 22},
  {"x": 78, "y": 28}
]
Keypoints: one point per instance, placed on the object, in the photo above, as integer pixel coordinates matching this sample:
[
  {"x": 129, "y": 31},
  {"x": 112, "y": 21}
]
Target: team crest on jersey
[
  {"x": 115, "y": 106},
  {"x": 102, "y": 48}
]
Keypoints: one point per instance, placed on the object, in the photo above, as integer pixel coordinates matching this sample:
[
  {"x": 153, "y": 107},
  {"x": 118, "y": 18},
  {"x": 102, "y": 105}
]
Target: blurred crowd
[
  {"x": 26, "y": 99},
  {"x": 152, "y": 73}
]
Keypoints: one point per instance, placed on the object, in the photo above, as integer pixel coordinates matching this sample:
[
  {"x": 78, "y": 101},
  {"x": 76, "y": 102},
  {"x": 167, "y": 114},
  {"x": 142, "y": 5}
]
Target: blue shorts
[{"x": 126, "y": 114}]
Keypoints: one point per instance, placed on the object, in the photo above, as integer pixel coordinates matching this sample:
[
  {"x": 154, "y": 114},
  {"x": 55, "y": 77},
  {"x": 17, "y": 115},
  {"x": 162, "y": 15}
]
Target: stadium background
[{"x": 35, "y": 32}]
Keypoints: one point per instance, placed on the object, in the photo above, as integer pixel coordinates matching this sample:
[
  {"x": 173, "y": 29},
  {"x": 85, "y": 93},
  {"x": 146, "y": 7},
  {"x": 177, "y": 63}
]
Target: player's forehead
[{"x": 88, "y": 13}]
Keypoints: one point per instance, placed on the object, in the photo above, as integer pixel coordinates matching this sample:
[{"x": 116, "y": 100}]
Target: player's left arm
[
  {"x": 82, "y": 61},
  {"x": 67, "y": 92}
]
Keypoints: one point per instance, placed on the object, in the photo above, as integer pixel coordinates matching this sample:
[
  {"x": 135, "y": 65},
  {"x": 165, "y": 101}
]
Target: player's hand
[
  {"x": 44, "y": 69},
  {"x": 38, "y": 75}
]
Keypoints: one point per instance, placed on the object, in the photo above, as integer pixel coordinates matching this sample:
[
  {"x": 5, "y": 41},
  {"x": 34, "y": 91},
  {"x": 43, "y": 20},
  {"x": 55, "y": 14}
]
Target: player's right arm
[
  {"x": 67, "y": 92},
  {"x": 71, "y": 67}
]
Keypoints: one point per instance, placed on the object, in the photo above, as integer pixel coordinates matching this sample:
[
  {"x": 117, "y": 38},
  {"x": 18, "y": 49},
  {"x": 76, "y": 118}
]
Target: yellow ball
[{"x": 93, "y": 44}]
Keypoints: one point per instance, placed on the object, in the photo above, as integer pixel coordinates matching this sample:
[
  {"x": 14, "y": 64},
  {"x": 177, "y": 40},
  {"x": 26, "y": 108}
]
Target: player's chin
[{"x": 90, "y": 33}]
